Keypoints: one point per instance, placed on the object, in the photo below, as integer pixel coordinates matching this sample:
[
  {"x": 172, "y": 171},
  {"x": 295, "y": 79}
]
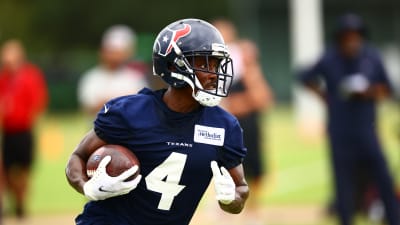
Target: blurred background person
[
  {"x": 1, "y": 190},
  {"x": 354, "y": 80},
  {"x": 23, "y": 97},
  {"x": 250, "y": 95},
  {"x": 115, "y": 75}
]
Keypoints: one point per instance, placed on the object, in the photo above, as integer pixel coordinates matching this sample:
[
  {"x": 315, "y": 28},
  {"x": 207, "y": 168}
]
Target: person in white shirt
[{"x": 113, "y": 77}]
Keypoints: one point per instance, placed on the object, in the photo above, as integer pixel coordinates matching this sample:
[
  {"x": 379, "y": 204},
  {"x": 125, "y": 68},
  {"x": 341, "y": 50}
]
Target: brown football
[{"x": 121, "y": 159}]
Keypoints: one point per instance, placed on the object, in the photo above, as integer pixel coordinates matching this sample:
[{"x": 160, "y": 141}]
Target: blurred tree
[
  {"x": 62, "y": 25},
  {"x": 15, "y": 18}
]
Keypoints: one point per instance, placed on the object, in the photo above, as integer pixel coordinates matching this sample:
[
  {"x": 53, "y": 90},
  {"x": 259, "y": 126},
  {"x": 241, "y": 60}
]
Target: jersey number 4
[{"x": 165, "y": 179}]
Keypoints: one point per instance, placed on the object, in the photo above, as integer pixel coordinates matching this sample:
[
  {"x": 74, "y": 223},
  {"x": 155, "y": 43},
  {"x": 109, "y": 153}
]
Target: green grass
[
  {"x": 58, "y": 135},
  {"x": 298, "y": 168}
]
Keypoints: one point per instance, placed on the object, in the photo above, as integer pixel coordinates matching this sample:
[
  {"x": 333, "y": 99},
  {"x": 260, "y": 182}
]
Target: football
[{"x": 121, "y": 159}]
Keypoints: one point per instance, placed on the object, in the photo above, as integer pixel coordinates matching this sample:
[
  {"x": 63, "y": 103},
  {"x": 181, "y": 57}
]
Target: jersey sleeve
[
  {"x": 233, "y": 151},
  {"x": 38, "y": 92},
  {"x": 111, "y": 125},
  {"x": 381, "y": 75},
  {"x": 311, "y": 74}
]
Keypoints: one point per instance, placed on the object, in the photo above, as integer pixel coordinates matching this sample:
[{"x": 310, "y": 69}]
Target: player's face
[
  {"x": 12, "y": 55},
  {"x": 351, "y": 43},
  {"x": 204, "y": 66},
  {"x": 114, "y": 58}
]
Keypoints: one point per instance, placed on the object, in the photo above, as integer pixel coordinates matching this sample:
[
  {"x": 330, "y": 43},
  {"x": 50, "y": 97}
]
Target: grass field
[{"x": 298, "y": 179}]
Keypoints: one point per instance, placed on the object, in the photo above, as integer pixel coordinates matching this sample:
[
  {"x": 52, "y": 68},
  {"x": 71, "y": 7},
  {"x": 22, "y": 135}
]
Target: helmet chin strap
[{"x": 203, "y": 97}]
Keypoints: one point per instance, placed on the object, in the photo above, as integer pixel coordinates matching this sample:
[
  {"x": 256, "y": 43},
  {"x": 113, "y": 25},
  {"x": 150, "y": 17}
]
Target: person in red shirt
[
  {"x": 1, "y": 191},
  {"x": 23, "y": 96}
]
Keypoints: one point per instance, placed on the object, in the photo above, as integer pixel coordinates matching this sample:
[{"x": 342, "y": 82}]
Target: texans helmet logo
[{"x": 171, "y": 36}]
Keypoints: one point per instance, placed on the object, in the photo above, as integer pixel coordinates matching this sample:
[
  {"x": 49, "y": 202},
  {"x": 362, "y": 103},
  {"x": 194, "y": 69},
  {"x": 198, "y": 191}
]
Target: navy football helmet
[{"x": 174, "y": 50}]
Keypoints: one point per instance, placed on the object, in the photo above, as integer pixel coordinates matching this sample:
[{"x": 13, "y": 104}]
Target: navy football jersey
[
  {"x": 174, "y": 150},
  {"x": 348, "y": 116}
]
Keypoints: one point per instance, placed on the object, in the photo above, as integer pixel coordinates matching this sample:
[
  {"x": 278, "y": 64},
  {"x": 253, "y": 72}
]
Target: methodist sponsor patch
[{"x": 209, "y": 135}]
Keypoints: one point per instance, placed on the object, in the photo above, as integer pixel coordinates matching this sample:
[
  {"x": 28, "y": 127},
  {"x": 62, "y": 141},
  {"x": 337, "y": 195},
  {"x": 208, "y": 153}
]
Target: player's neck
[{"x": 180, "y": 100}]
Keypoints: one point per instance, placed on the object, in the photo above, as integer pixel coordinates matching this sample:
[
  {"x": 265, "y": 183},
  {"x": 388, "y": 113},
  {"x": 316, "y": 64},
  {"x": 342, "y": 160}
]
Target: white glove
[
  {"x": 225, "y": 188},
  {"x": 356, "y": 83},
  {"x": 102, "y": 186}
]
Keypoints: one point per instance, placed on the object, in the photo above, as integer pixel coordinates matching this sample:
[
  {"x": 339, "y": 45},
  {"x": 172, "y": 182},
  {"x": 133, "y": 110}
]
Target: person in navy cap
[{"x": 354, "y": 80}]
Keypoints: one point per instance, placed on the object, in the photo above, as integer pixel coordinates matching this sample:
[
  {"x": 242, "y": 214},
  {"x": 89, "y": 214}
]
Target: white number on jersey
[{"x": 165, "y": 179}]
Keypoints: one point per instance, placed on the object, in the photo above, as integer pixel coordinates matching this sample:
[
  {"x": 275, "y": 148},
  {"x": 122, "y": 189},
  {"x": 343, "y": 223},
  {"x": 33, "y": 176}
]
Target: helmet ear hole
[{"x": 171, "y": 67}]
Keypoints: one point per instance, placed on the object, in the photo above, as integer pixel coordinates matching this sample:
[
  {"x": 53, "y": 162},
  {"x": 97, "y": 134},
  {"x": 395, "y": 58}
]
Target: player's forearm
[
  {"x": 75, "y": 173},
  {"x": 378, "y": 92},
  {"x": 238, "y": 105},
  {"x": 257, "y": 90},
  {"x": 76, "y": 167},
  {"x": 235, "y": 207},
  {"x": 317, "y": 90}
]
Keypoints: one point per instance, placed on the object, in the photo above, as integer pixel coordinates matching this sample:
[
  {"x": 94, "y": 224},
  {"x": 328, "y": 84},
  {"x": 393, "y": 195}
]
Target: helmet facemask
[{"x": 186, "y": 71}]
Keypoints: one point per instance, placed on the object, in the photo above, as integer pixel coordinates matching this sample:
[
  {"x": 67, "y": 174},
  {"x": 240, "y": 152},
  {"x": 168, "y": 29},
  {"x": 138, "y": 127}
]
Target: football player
[
  {"x": 180, "y": 136},
  {"x": 355, "y": 81}
]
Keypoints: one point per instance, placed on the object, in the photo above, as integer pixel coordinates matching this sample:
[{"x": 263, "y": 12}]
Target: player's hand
[
  {"x": 102, "y": 186},
  {"x": 225, "y": 188},
  {"x": 354, "y": 84}
]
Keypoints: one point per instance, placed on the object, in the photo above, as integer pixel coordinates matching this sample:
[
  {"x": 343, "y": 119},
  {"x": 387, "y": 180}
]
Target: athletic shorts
[
  {"x": 253, "y": 162},
  {"x": 17, "y": 149}
]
